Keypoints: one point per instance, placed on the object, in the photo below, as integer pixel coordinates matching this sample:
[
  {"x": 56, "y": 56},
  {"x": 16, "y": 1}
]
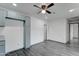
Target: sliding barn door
[{"x": 13, "y": 35}]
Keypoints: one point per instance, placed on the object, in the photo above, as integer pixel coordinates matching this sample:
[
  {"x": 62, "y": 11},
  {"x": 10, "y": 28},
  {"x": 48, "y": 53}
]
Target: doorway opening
[
  {"x": 73, "y": 31},
  {"x": 14, "y": 34}
]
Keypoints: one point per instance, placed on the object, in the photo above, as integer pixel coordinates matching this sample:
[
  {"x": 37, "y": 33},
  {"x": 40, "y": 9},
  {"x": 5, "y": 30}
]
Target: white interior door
[{"x": 13, "y": 35}]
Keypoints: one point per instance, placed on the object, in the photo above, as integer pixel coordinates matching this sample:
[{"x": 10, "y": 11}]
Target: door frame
[{"x": 69, "y": 22}]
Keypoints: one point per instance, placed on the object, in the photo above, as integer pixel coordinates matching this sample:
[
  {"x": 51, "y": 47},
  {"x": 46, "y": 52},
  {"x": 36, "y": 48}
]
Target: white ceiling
[{"x": 61, "y": 9}]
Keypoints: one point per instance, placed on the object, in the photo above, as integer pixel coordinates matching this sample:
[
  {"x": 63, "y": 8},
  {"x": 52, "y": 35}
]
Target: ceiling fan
[{"x": 44, "y": 8}]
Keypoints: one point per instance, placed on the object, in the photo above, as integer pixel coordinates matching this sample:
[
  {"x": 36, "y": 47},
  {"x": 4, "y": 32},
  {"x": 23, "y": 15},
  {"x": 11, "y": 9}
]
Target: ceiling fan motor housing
[{"x": 43, "y": 7}]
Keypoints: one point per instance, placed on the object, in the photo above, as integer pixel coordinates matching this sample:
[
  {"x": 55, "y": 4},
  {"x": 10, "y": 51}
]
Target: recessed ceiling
[{"x": 61, "y": 9}]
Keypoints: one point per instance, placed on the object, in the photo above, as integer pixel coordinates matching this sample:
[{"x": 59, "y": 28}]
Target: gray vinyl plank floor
[{"x": 47, "y": 48}]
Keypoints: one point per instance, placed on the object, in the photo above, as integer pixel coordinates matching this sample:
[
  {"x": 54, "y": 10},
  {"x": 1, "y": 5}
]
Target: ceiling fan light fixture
[
  {"x": 71, "y": 10},
  {"x": 43, "y": 11},
  {"x": 14, "y": 4}
]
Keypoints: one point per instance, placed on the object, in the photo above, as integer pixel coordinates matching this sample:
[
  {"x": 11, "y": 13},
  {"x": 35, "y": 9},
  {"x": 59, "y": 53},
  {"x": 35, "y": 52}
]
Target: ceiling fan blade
[
  {"x": 39, "y": 12},
  {"x": 50, "y": 5},
  {"x": 36, "y": 6},
  {"x": 48, "y": 12}
]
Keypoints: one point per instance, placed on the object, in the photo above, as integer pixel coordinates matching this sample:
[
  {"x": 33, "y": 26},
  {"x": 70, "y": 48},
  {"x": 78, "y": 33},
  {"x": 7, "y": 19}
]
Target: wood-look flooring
[{"x": 47, "y": 48}]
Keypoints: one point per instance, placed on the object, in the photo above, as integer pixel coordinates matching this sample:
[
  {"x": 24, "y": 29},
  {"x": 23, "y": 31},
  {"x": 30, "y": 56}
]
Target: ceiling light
[
  {"x": 71, "y": 10},
  {"x": 43, "y": 11},
  {"x": 14, "y": 4}
]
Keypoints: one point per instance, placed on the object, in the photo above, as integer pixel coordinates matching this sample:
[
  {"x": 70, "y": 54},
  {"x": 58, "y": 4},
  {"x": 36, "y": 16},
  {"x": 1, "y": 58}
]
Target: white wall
[
  {"x": 37, "y": 30},
  {"x": 1, "y": 30},
  {"x": 13, "y": 33},
  {"x": 71, "y": 33},
  {"x": 57, "y": 30},
  {"x": 2, "y": 23}
]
